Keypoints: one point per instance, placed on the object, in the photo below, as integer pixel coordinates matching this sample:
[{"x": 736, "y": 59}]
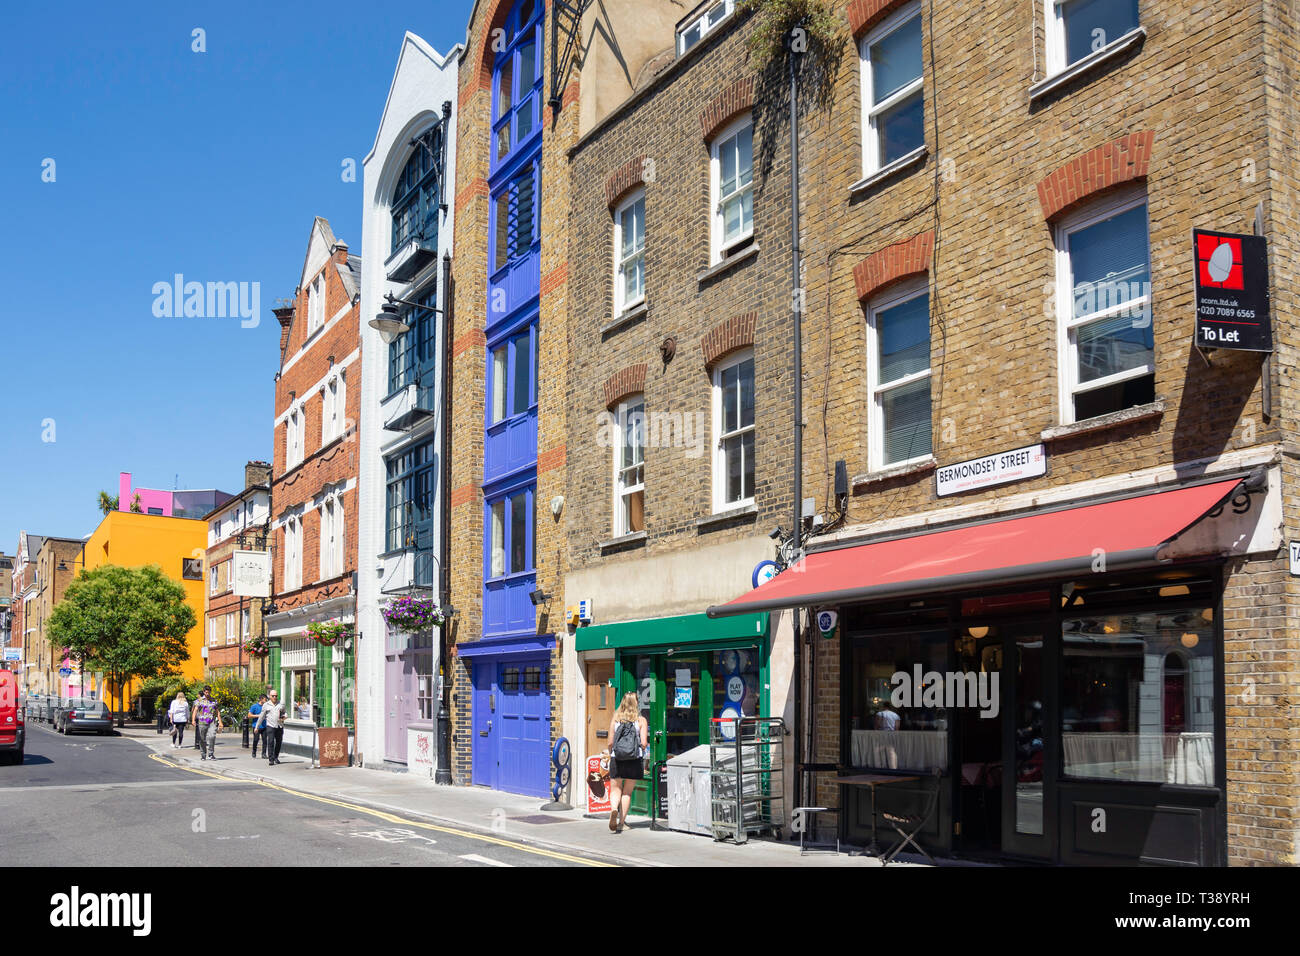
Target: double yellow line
[{"x": 392, "y": 818}]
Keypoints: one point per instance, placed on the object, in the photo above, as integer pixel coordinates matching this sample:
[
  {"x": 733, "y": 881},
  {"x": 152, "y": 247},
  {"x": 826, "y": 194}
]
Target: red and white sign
[
  {"x": 597, "y": 804},
  {"x": 1015, "y": 465}
]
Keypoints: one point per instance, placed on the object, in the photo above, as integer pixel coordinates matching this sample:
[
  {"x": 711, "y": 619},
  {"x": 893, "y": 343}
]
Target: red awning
[{"x": 1127, "y": 533}]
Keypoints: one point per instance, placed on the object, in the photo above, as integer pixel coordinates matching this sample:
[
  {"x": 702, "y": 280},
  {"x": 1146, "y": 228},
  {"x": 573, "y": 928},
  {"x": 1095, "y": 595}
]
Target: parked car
[
  {"x": 13, "y": 734},
  {"x": 83, "y": 713}
]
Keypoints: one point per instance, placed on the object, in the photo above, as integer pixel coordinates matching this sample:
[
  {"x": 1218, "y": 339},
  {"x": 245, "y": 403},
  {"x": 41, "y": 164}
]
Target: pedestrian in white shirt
[{"x": 179, "y": 713}]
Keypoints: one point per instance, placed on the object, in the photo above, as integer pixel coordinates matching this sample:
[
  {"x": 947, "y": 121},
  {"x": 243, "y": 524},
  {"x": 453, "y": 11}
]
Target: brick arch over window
[
  {"x": 899, "y": 261},
  {"x": 622, "y": 384},
  {"x": 624, "y": 179},
  {"x": 495, "y": 18},
  {"x": 1110, "y": 164},
  {"x": 727, "y": 336},
  {"x": 865, "y": 14},
  {"x": 726, "y": 106}
]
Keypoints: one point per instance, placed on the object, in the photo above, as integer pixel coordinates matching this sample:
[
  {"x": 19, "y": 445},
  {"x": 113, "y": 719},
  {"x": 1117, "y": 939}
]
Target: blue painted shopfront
[{"x": 511, "y": 721}]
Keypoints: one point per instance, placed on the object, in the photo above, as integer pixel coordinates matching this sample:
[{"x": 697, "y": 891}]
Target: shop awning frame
[{"x": 1082, "y": 564}]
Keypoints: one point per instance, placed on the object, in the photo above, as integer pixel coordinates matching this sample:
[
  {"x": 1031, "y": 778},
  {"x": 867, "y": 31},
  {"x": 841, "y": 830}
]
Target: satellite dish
[{"x": 1220, "y": 264}]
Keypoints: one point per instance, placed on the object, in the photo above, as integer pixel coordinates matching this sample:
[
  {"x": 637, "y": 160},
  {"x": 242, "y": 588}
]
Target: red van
[{"x": 12, "y": 733}]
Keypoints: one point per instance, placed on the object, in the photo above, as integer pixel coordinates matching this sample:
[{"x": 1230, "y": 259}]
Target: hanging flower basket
[
  {"x": 413, "y": 614},
  {"x": 328, "y": 633},
  {"x": 257, "y": 646}
]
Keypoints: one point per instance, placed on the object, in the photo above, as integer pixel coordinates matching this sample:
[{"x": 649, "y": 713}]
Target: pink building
[{"x": 193, "y": 503}]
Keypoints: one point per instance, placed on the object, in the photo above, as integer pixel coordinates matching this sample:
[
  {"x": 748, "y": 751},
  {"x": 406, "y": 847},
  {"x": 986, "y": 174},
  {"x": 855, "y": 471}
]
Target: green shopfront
[{"x": 686, "y": 671}]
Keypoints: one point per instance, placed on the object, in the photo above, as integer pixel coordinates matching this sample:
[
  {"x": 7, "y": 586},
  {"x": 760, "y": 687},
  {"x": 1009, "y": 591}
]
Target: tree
[
  {"x": 125, "y": 622},
  {"x": 107, "y": 502}
]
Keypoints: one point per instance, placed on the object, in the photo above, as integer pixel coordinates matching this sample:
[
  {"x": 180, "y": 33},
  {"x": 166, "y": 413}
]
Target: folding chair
[{"x": 915, "y": 822}]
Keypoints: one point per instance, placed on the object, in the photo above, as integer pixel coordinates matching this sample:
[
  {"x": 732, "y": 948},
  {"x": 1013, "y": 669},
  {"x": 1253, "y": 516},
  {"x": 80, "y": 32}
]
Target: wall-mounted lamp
[{"x": 538, "y": 597}]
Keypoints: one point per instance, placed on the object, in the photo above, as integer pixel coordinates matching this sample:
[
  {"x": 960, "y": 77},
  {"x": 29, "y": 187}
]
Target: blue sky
[{"x": 167, "y": 161}]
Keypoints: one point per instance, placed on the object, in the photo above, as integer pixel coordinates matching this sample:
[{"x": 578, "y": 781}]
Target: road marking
[
  {"x": 134, "y": 784},
  {"x": 168, "y": 763},
  {"x": 475, "y": 858},
  {"x": 392, "y": 818}
]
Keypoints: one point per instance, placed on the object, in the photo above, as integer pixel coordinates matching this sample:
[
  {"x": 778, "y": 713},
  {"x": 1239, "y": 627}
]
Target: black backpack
[{"x": 627, "y": 741}]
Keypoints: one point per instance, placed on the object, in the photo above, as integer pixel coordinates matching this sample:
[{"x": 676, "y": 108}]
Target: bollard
[{"x": 246, "y": 728}]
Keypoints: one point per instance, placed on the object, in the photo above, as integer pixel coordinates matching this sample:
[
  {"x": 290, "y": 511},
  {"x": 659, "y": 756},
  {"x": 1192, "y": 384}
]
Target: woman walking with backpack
[{"x": 628, "y": 734}]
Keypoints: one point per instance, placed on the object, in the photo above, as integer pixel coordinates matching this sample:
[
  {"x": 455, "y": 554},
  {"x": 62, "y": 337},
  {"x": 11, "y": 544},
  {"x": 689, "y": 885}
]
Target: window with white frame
[
  {"x": 212, "y": 579},
  {"x": 294, "y": 428},
  {"x": 629, "y": 468},
  {"x": 331, "y": 537},
  {"x": 316, "y": 304},
  {"x": 695, "y": 28},
  {"x": 629, "y": 252},
  {"x": 212, "y": 632},
  {"x": 293, "y": 553},
  {"x": 230, "y": 629},
  {"x": 1103, "y": 295},
  {"x": 333, "y": 401},
  {"x": 898, "y": 375},
  {"x": 243, "y": 625},
  {"x": 732, "y": 188},
  {"x": 228, "y": 574},
  {"x": 893, "y": 94},
  {"x": 1076, "y": 29},
  {"x": 733, "y": 424}
]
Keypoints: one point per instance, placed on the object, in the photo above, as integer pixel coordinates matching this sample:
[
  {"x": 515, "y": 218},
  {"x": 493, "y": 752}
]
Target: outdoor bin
[{"x": 690, "y": 796}]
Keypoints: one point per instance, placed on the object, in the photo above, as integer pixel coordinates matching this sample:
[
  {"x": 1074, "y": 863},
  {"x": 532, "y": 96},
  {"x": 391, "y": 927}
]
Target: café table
[{"x": 872, "y": 780}]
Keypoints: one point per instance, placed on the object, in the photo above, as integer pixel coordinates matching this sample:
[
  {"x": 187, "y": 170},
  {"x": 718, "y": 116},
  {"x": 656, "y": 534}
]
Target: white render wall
[{"x": 422, "y": 82}]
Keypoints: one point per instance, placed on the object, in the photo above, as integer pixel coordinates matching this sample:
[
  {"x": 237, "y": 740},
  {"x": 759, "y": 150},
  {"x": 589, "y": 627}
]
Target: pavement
[{"x": 494, "y": 813}]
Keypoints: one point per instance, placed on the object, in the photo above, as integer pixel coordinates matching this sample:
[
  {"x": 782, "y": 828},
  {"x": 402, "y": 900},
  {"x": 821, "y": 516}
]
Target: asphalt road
[{"x": 108, "y": 801}]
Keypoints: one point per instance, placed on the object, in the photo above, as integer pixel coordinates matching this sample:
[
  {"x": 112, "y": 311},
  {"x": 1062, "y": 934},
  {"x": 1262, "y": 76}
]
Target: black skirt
[{"x": 630, "y": 769}]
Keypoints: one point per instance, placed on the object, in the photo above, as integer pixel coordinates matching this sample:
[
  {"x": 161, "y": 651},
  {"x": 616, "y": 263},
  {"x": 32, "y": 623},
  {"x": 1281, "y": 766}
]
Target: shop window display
[
  {"x": 887, "y": 736},
  {"x": 1138, "y": 696}
]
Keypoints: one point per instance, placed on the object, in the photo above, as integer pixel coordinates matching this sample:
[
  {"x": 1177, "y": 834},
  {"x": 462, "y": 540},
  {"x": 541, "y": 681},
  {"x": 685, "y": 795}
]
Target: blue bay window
[{"x": 509, "y": 576}]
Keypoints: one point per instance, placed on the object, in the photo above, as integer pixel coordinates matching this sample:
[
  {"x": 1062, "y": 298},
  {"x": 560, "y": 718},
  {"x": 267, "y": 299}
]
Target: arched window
[{"x": 418, "y": 195}]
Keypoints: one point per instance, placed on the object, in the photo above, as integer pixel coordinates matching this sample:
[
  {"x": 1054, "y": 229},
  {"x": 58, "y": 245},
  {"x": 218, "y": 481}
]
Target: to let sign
[
  {"x": 1232, "y": 302},
  {"x": 1015, "y": 465}
]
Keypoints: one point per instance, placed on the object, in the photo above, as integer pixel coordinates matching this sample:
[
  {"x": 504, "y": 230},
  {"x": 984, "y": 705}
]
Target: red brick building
[{"x": 314, "y": 484}]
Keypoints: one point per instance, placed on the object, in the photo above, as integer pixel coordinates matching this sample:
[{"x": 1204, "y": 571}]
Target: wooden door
[{"x": 602, "y": 701}]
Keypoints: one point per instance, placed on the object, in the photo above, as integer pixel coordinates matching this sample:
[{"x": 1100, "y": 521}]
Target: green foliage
[
  {"x": 328, "y": 633},
  {"x": 233, "y": 695},
  {"x": 818, "y": 22},
  {"x": 126, "y": 622},
  {"x": 107, "y": 502},
  {"x": 135, "y": 505}
]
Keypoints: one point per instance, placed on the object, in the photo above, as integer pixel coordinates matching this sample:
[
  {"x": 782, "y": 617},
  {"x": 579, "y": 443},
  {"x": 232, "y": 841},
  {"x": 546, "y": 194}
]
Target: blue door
[
  {"x": 512, "y": 726},
  {"x": 525, "y": 728},
  {"x": 484, "y": 724}
]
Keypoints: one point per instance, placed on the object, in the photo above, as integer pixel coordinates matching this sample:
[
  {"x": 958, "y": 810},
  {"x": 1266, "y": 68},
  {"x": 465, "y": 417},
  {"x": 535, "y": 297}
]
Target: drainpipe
[
  {"x": 796, "y": 308},
  {"x": 443, "y": 774}
]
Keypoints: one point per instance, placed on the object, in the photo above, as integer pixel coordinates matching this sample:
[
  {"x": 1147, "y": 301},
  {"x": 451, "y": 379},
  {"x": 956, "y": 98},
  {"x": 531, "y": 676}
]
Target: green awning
[{"x": 672, "y": 631}]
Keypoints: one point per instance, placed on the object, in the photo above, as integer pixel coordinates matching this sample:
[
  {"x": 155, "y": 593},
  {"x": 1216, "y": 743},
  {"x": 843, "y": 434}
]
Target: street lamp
[{"x": 388, "y": 323}]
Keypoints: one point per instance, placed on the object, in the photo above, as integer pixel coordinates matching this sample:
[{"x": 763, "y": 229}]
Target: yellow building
[{"x": 176, "y": 545}]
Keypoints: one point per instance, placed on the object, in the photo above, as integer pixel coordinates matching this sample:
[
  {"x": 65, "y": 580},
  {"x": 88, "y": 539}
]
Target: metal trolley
[{"x": 747, "y": 765}]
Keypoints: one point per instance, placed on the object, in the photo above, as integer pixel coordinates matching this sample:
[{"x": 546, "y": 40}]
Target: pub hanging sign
[{"x": 1232, "y": 291}]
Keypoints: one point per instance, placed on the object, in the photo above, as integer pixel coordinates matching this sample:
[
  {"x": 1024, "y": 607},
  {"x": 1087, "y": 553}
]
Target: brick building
[
  {"x": 6, "y": 601},
  {"x": 58, "y": 561},
  {"x": 999, "y": 259},
  {"x": 314, "y": 486},
  {"x": 23, "y": 588},
  {"x": 679, "y": 388},
  {"x": 232, "y": 621}
]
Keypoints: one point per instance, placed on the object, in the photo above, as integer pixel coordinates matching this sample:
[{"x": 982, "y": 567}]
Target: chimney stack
[{"x": 257, "y": 473}]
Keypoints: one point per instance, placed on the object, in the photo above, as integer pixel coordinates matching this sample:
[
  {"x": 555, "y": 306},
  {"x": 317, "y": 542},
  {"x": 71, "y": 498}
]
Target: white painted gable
[{"x": 318, "y": 250}]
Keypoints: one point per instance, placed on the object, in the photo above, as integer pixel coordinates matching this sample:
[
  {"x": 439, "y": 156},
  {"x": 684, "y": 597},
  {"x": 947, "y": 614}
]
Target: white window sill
[
  {"x": 626, "y": 317},
  {"x": 720, "y": 267},
  {"x": 917, "y": 467},
  {"x": 914, "y": 158},
  {"x": 741, "y": 511},
  {"x": 1135, "y": 414},
  {"x": 1094, "y": 60},
  {"x": 636, "y": 537}
]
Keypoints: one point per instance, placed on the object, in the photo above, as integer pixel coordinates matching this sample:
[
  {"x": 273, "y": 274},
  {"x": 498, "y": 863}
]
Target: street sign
[
  {"x": 65, "y": 671},
  {"x": 252, "y": 570},
  {"x": 13, "y": 653}
]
